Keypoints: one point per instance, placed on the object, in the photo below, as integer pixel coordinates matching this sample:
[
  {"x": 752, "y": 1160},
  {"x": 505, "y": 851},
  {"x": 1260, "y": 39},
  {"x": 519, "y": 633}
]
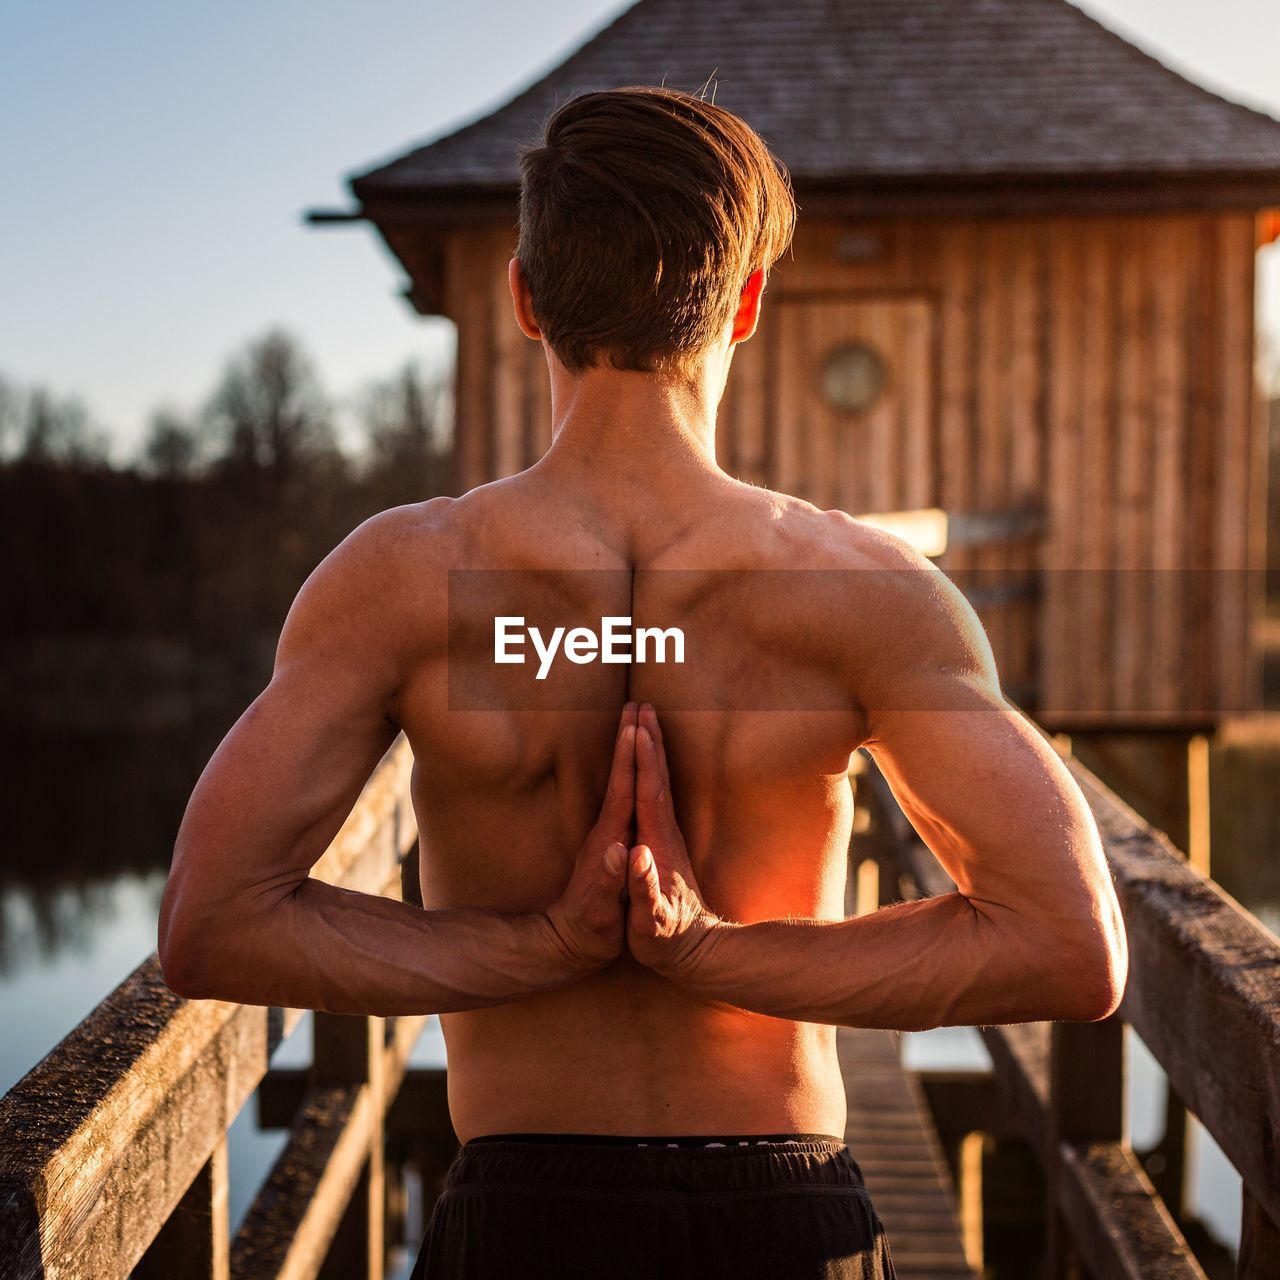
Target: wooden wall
[{"x": 1096, "y": 370}]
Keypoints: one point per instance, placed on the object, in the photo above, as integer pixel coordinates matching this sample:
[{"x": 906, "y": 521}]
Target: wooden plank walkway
[{"x": 891, "y": 1136}]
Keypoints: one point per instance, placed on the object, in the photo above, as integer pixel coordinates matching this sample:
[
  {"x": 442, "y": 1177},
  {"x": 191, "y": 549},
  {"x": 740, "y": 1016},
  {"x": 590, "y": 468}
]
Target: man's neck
[{"x": 612, "y": 423}]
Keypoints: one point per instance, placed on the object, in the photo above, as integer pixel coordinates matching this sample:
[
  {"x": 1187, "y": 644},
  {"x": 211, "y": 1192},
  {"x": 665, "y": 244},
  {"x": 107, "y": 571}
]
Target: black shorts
[{"x": 580, "y": 1207}]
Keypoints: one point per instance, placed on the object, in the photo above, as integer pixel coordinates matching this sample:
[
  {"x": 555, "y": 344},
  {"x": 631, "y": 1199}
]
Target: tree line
[
  {"x": 207, "y": 532},
  {"x": 268, "y": 411}
]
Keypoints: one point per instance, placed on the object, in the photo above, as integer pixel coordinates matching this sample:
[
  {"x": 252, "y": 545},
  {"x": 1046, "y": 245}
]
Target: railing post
[
  {"x": 1166, "y": 1162},
  {"x": 351, "y": 1051},
  {"x": 1086, "y": 1104},
  {"x": 195, "y": 1241},
  {"x": 1259, "y": 1256}
]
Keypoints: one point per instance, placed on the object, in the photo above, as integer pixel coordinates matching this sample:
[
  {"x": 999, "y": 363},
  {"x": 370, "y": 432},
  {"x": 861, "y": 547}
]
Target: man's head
[{"x": 643, "y": 214}]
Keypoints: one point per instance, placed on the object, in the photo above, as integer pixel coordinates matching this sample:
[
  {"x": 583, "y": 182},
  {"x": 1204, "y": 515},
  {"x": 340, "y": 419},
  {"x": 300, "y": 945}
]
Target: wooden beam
[
  {"x": 931, "y": 197},
  {"x": 350, "y": 1051},
  {"x": 889, "y": 1133},
  {"x": 1203, "y": 990},
  {"x": 1086, "y": 1103},
  {"x": 1198, "y": 803},
  {"x": 195, "y": 1241},
  {"x": 980, "y": 528},
  {"x": 288, "y": 1229},
  {"x": 102, "y": 1140},
  {"x": 299, "y": 1209},
  {"x": 1020, "y": 1057},
  {"x": 419, "y": 1108},
  {"x": 1259, "y": 1257},
  {"x": 1119, "y": 1226},
  {"x": 365, "y": 854},
  {"x": 1114, "y": 1216}
]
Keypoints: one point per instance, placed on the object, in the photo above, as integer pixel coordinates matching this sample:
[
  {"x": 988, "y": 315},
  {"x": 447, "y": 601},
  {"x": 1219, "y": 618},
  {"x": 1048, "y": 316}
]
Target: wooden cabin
[{"x": 1021, "y": 292}]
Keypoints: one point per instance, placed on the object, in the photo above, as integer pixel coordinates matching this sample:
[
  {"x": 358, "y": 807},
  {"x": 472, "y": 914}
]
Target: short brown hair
[{"x": 642, "y": 213}]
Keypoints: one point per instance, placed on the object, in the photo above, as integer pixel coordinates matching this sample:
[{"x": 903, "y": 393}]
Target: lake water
[{"x": 91, "y": 822}]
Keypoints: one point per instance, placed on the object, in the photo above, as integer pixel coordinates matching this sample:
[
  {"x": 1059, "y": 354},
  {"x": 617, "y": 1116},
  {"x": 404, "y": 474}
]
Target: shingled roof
[{"x": 851, "y": 92}]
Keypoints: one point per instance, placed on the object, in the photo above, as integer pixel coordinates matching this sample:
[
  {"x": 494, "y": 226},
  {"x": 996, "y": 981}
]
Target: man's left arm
[
  {"x": 1033, "y": 930},
  {"x": 242, "y": 920}
]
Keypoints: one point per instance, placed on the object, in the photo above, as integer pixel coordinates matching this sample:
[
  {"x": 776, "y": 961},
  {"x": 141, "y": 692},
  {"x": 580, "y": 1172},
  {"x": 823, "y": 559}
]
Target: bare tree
[
  {"x": 12, "y": 412},
  {"x": 269, "y": 410},
  {"x": 173, "y": 446},
  {"x": 406, "y": 422},
  {"x": 60, "y": 432}
]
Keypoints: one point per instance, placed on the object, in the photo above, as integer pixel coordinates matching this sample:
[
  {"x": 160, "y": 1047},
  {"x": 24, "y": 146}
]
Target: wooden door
[{"x": 852, "y": 403}]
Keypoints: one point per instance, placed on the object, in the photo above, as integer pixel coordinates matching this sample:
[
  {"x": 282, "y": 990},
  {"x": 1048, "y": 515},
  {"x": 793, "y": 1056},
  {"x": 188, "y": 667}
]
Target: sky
[{"x": 158, "y": 158}]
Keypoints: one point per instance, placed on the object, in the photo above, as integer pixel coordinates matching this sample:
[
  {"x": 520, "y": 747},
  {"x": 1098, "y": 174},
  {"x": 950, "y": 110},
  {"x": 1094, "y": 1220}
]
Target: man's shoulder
[
  {"x": 382, "y": 547},
  {"x": 388, "y": 561},
  {"x": 487, "y": 527},
  {"x": 809, "y": 537},
  {"x": 403, "y": 529},
  {"x": 407, "y": 551},
  {"x": 876, "y": 592}
]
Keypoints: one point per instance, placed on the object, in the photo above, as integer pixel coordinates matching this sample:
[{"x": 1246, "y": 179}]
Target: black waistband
[
  {"x": 659, "y": 1165},
  {"x": 659, "y": 1140}
]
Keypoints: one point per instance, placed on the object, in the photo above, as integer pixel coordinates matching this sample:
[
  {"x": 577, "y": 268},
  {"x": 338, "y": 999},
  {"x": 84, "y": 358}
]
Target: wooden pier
[
  {"x": 113, "y": 1154},
  {"x": 893, "y": 1140}
]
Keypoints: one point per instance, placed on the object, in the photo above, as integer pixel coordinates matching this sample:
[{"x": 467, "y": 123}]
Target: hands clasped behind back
[{"x": 638, "y": 895}]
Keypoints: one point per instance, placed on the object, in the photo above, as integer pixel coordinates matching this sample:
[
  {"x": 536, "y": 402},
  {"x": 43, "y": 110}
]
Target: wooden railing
[
  {"x": 113, "y": 1154},
  {"x": 1204, "y": 996}
]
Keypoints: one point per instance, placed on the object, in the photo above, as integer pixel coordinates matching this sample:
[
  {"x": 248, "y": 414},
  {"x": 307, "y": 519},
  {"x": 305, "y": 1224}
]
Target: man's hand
[
  {"x": 669, "y": 928},
  {"x": 586, "y": 924}
]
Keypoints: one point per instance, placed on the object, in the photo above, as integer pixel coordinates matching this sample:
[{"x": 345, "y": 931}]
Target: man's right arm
[
  {"x": 243, "y": 919},
  {"x": 1033, "y": 930}
]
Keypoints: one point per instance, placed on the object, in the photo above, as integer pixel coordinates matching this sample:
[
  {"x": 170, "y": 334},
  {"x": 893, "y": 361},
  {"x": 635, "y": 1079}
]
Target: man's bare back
[
  {"x": 808, "y": 635},
  {"x": 762, "y": 791}
]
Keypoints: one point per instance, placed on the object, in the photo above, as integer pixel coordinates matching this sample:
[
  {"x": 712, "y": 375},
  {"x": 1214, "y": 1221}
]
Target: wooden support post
[
  {"x": 1166, "y": 1162},
  {"x": 1259, "y": 1256},
  {"x": 347, "y": 1050},
  {"x": 1149, "y": 771},
  {"x": 1012, "y": 1207},
  {"x": 195, "y": 1241},
  {"x": 867, "y": 894},
  {"x": 350, "y": 1050},
  {"x": 397, "y": 1220},
  {"x": 961, "y": 1102},
  {"x": 1198, "y": 803},
  {"x": 969, "y": 1196},
  {"x": 1167, "y": 778},
  {"x": 358, "y": 1248},
  {"x": 1086, "y": 1104}
]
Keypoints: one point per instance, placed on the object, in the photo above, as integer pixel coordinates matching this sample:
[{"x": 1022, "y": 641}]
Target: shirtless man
[{"x": 635, "y": 934}]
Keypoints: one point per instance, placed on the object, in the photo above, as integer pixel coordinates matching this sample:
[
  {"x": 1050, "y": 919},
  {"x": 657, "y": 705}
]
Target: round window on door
[{"x": 853, "y": 377}]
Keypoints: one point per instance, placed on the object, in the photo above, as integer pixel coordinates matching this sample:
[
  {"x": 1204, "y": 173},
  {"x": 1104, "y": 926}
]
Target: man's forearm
[
  {"x": 908, "y": 967},
  {"x": 323, "y": 947}
]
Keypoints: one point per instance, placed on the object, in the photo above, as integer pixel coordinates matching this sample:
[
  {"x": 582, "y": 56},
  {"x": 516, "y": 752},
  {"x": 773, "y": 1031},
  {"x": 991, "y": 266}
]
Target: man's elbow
[
  {"x": 1096, "y": 996},
  {"x": 183, "y": 964},
  {"x": 187, "y": 948},
  {"x": 1094, "y": 974},
  {"x": 183, "y": 976}
]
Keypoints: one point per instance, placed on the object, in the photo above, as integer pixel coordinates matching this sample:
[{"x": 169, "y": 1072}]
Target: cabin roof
[{"x": 861, "y": 92}]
